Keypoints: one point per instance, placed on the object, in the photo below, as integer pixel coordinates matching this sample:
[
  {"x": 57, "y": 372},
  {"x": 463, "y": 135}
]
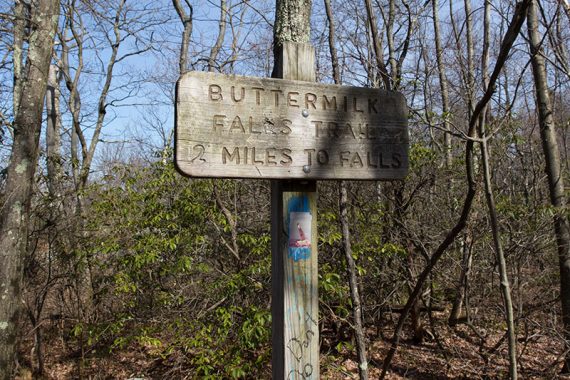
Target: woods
[{"x": 115, "y": 265}]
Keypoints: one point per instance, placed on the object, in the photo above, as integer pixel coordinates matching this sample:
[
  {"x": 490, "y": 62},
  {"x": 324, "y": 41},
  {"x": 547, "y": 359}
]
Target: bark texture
[
  {"x": 553, "y": 169},
  {"x": 292, "y": 21},
  {"x": 359, "y": 335},
  {"x": 441, "y": 69},
  {"x": 53, "y": 130},
  {"x": 14, "y": 214},
  {"x": 491, "y": 205},
  {"x": 377, "y": 45},
  {"x": 292, "y": 24},
  {"x": 186, "y": 19},
  {"x": 221, "y": 35}
]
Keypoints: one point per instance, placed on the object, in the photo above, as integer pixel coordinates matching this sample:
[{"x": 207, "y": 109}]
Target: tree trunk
[
  {"x": 507, "y": 43},
  {"x": 291, "y": 24},
  {"x": 332, "y": 48},
  {"x": 186, "y": 19},
  {"x": 18, "y": 46},
  {"x": 553, "y": 170},
  {"x": 503, "y": 273},
  {"x": 89, "y": 154},
  {"x": 14, "y": 215},
  {"x": 377, "y": 45},
  {"x": 221, "y": 35},
  {"x": 462, "y": 286},
  {"x": 359, "y": 334},
  {"x": 470, "y": 69},
  {"x": 53, "y": 129},
  {"x": 505, "y": 286},
  {"x": 415, "y": 311},
  {"x": 442, "y": 85}
]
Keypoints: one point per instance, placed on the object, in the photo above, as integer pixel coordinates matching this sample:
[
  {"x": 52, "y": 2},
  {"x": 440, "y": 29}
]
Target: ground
[{"x": 461, "y": 352}]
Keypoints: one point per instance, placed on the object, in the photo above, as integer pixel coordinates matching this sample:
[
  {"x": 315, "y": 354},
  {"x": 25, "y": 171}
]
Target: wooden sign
[{"x": 243, "y": 127}]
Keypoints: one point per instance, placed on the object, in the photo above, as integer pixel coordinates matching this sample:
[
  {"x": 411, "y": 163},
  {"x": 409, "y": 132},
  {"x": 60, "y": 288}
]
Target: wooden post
[{"x": 294, "y": 266}]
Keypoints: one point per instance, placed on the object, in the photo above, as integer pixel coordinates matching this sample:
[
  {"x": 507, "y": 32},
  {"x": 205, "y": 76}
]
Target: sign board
[{"x": 243, "y": 127}]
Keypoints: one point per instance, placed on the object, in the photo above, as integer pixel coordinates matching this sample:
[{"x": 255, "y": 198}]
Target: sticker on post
[{"x": 300, "y": 235}]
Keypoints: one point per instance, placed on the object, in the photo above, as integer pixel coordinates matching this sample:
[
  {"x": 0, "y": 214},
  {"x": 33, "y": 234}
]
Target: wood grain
[
  {"x": 244, "y": 127},
  {"x": 294, "y": 272}
]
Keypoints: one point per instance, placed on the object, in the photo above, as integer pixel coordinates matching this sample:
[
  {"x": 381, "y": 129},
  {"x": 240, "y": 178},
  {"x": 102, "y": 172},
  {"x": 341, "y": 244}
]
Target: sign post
[
  {"x": 294, "y": 261},
  {"x": 293, "y": 131}
]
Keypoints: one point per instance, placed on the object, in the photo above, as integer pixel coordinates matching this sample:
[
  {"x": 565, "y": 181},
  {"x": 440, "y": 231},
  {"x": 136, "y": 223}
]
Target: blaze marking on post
[
  {"x": 229, "y": 126},
  {"x": 300, "y": 220}
]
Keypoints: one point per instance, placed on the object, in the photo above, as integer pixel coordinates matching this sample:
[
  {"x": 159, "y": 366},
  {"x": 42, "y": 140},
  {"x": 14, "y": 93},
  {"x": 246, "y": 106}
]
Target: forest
[{"x": 114, "y": 265}]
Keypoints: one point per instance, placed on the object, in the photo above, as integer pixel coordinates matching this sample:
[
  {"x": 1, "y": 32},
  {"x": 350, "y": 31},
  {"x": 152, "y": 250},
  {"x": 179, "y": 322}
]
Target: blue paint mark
[
  {"x": 299, "y": 253},
  {"x": 299, "y": 249},
  {"x": 298, "y": 204}
]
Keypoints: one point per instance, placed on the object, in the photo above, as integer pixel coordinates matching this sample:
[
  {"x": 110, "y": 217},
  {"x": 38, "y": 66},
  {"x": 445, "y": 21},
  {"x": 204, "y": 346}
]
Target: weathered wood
[
  {"x": 295, "y": 283},
  {"x": 245, "y": 127},
  {"x": 294, "y": 238}
]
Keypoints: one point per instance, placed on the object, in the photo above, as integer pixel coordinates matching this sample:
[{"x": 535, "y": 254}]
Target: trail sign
[{"x": 244, "y": 127}]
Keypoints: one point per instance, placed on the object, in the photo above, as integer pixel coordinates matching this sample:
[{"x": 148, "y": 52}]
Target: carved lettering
[
  {"x": 237, "y": 125},
  {"x": 381, "y": 160},
  {"x": 233, "y": 92},
  {"x": 310, "y": 99},
  {"x": 370, "y": 132},
  {"x": 277, "y": 92},
  {"x": 309, "y": 156},
  {"x": 372, "y": 105},
  {"x": 332, "y": 129},
  {"x": 254, "y": 156},
  {"x": 250, "y": 155},
  {"x": 198, "y": 151},
  {"x": 255, "y": 127},
  {"x": 231, "y": 156},
  {"x": 291, "y": 101},
  {"x": 218, "y": 121},
  {"x": 322, "y": 157},
  {"x": 329, "y": 103},
  {"x": 252, "y": 129},
  {"x": 344, "y": 157},
  {"x": 318, "y": 126},
  {"x": 397, "y": 160},
  {"x": 348, "y": 131},
  {"x": 286, "y": 127},
  {"x": 355, "y": 105},
  {"x": 356, "y": 161},
  {"x": 215, "y": 93},
  {"x": 270, "y": 157},
  {"x": 258, "y": 94},
  {"x": 369, "y": 160},
  {"x": 287, "y": 160}
]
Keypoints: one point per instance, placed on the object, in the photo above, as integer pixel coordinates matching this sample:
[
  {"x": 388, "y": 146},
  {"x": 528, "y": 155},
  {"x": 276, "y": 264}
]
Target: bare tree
[
  {"x": 508, "y": 40},
  {"x": 221, "y": 35},
  {"x": 359, "y": 334},
  {"x": 29, "y": 92},
  {"x": 124, "y": 37},
  {"x": 186, "y": 19},
  {"x": 442, "y": 84},
  {"x": 491, "y": 205},
  {"x": 377, "y": 46},
  {"x": 553, "y": 169}
]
